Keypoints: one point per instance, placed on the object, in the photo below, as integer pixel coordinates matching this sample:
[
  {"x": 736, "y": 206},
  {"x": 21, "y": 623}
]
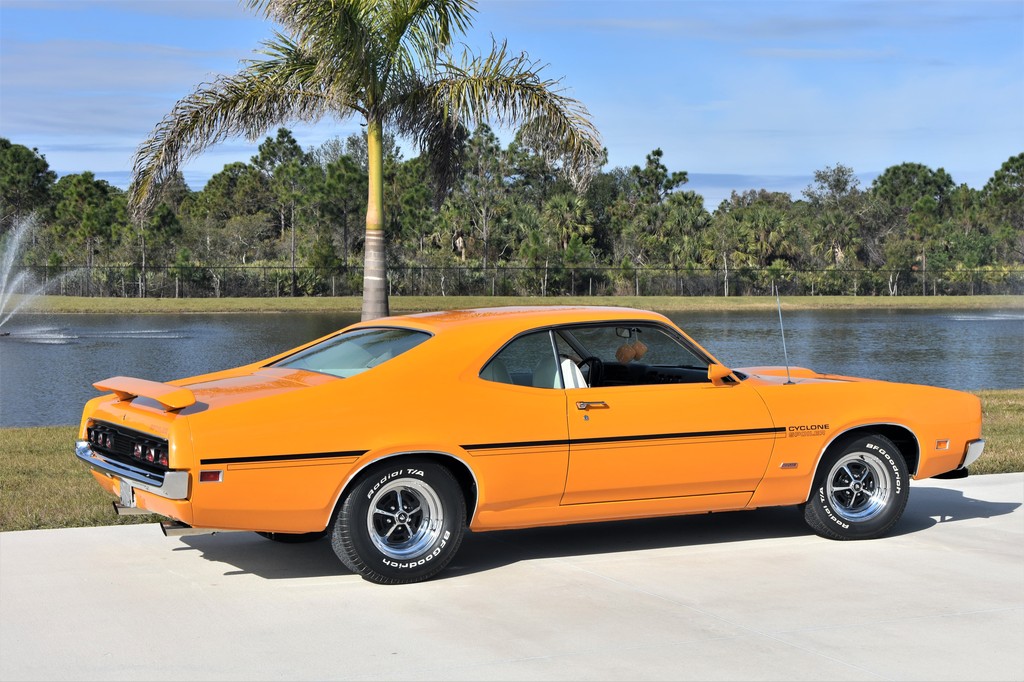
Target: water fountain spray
[{"x": 10, "y": 283}]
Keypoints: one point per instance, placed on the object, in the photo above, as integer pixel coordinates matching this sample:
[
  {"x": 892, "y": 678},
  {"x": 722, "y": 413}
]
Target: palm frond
[
  {"x": 340, "y": 33},
  {"x": 510, "y": 90},
  {"x": 265, "y": 93},
  {"x": 421, "y": 29},
  {"x": 313, "y": 19},
  {"x": 411, "y": 113}
]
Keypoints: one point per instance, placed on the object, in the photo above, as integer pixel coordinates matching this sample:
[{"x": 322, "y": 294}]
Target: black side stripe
[
  {"x": 283, "y": 458},
  {"x": 516, "y": 444},
  {"x": 626, "y": 439}
]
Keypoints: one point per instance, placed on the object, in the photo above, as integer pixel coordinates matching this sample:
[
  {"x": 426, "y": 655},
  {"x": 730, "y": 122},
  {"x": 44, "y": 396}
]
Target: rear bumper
[
  {"x": 973, "y": 452},
  {"x": 171, "y": 485}
]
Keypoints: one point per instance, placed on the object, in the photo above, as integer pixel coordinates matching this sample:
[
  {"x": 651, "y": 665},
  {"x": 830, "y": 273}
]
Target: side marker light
[{"x": 211, "y": 476}]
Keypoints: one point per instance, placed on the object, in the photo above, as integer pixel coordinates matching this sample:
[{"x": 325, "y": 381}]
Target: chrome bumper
[
  {"x": 172, "y": 485},
  {"x": 974, "y": 450}
]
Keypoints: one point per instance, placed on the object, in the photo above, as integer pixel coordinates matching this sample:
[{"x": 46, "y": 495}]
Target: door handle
[{"x": 591, "y": 404}]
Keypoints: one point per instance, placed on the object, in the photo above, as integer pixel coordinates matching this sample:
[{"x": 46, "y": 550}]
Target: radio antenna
[{"x": 782, "y": 329}]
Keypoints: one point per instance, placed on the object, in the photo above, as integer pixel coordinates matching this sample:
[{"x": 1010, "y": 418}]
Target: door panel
[
  {"x": 514, "y": 428},
  {"x": 644, "y": 442}
]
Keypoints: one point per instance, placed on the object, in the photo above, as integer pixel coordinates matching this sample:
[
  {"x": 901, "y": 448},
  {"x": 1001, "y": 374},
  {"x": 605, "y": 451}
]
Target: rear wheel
[
  {"x": 401, "y": 523},
  {"x": 860, "y": 490}
]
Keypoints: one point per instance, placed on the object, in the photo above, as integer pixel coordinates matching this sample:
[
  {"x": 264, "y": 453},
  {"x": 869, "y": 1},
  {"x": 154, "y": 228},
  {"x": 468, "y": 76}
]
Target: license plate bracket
[{"x": 127, "y": 494}]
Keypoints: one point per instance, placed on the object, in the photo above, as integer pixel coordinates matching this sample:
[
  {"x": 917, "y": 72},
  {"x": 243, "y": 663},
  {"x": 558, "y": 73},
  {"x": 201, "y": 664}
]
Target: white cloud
[{"x": 772, "y": 90}]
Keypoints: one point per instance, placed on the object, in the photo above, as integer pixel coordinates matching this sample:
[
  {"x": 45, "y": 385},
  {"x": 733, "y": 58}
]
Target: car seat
[{"x": 546, "y": 375}]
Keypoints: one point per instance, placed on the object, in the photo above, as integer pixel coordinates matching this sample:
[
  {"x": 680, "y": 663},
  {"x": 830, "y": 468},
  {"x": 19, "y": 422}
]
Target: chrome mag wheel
[
  {"x": 860, "y": 489},
  {"x": 405, "y": 519},
  {"x": 858, "y": 486}
]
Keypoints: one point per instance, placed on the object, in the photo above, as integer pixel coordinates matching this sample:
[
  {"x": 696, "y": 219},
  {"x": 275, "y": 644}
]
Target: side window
[
  {"x": 653, "y": 347},
  {"x": 632, "y": 355},
  {"x": 526, "y": 361},
  {"x": 598, "y": 355}
]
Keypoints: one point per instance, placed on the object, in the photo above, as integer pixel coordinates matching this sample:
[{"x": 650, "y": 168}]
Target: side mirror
[{"x": 718, "y": 374}]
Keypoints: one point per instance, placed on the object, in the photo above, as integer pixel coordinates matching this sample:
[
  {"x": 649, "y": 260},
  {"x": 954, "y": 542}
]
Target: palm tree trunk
[
  {"x": 295, "y": 277},
  {"x": 375, "y": 293},
  {"x": 142, "y": 281}
]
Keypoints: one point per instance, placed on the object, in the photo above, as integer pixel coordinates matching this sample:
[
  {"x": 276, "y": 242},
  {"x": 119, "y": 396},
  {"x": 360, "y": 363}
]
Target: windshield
[{"x": 353, "y": 352}]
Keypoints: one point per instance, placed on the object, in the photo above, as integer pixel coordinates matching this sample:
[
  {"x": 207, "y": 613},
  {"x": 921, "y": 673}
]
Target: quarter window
[{"x": 527, "y": 361}]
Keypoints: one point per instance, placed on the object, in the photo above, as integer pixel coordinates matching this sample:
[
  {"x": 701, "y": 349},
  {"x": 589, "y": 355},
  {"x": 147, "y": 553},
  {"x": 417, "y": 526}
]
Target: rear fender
[{"x": 460, "y": 469}]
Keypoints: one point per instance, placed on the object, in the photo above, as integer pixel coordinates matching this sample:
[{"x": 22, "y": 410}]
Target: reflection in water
[
  {"x": 63, "y": 335},
  {"x": 48, "y": 363},
  {"x": 969, "y": 351}
]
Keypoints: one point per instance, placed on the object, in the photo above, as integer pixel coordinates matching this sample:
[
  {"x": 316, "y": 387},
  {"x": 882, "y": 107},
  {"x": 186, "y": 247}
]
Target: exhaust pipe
[
  {"x": 171, "y": 528},
  {"x": 177, "y": 529}
]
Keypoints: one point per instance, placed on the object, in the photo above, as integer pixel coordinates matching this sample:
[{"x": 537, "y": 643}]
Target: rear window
[{"x": 353, "y": 352}]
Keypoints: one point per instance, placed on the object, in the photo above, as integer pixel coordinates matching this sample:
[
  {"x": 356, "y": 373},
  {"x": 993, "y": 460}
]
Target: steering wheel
[{"x": 593, "y": 370}]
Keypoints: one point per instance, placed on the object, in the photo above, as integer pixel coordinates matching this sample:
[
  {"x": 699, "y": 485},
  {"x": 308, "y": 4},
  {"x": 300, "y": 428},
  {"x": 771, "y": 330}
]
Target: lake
[{"x": 49, "y": 362}]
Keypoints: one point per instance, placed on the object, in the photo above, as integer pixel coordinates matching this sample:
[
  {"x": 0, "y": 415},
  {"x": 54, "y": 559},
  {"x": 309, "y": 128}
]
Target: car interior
[{"x": 597, "y": 355}]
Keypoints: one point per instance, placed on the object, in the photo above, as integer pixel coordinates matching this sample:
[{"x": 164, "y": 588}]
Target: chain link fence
[{"x": 270, "y": 281}]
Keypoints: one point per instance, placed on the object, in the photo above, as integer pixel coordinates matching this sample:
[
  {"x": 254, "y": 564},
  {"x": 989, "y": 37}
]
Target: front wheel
[
  {"x": 401, "y": 523},
  {"x": 860, "y": 490}
]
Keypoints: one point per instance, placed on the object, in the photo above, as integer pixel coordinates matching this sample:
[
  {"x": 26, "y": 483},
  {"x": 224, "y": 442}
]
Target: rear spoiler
[{"x": 127, "y": 388}]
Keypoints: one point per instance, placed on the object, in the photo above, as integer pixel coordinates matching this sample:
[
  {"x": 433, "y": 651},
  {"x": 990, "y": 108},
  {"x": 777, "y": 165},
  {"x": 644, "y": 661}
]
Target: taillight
[
  {"x": 100, "y": 439},
  {"x": 151, "y": 454},
  {"x": 128, "y": 444}
]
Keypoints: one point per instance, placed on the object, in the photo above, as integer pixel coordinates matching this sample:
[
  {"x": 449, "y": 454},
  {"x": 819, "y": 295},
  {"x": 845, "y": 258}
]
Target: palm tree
[
  {"x": 388, "y": 62},
  {"x": 567, "y": 215}
]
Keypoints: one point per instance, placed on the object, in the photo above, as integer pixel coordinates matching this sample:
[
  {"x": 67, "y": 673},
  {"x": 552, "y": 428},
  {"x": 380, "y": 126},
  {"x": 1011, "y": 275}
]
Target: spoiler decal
[{"x": 127, "y": 388}]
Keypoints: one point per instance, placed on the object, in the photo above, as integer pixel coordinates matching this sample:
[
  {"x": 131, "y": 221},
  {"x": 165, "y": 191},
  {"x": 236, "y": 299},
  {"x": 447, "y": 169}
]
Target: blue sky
[{"x": 740, "y": 94}]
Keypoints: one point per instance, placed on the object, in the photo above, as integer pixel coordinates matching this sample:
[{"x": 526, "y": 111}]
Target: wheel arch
[
  {"x": 901, "y": 436},
  {"x": 462, "y": 472}
]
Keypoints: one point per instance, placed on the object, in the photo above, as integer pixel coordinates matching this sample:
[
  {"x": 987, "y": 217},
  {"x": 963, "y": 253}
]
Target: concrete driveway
[{"x": 745, "y": 595}]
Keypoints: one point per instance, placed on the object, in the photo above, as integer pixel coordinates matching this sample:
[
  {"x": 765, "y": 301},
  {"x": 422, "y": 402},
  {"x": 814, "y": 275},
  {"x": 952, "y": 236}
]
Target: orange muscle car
[{"x": 394, "y": 436}]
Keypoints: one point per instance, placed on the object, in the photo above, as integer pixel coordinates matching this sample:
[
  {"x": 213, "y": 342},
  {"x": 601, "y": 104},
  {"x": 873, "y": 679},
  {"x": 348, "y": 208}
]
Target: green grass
[
  {"x": 1002, "y": 419},
  {"x": 402, "y": 304},
  {"x": 42, "y": 484}
]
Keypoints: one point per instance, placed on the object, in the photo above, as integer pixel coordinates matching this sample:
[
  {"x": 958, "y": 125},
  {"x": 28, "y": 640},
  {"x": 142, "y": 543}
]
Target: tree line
[{"x": 303, "y": 210}]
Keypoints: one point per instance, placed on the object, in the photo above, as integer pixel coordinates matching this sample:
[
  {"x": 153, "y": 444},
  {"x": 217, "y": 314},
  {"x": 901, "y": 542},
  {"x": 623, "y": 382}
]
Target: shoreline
[{"x": 48, "y": 304}]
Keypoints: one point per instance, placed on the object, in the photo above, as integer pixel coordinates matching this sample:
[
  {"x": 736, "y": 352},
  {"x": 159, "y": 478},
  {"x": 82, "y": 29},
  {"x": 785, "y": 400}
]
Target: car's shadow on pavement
[
  {"x": 249, "y": 553},
  {"x": 930, "y": 506},
  {"x": 486, "y": 551}
]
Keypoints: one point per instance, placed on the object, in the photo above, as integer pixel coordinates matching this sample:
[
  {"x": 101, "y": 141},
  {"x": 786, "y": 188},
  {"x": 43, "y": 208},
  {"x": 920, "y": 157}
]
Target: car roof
[{"x": 511, "y": 318}]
